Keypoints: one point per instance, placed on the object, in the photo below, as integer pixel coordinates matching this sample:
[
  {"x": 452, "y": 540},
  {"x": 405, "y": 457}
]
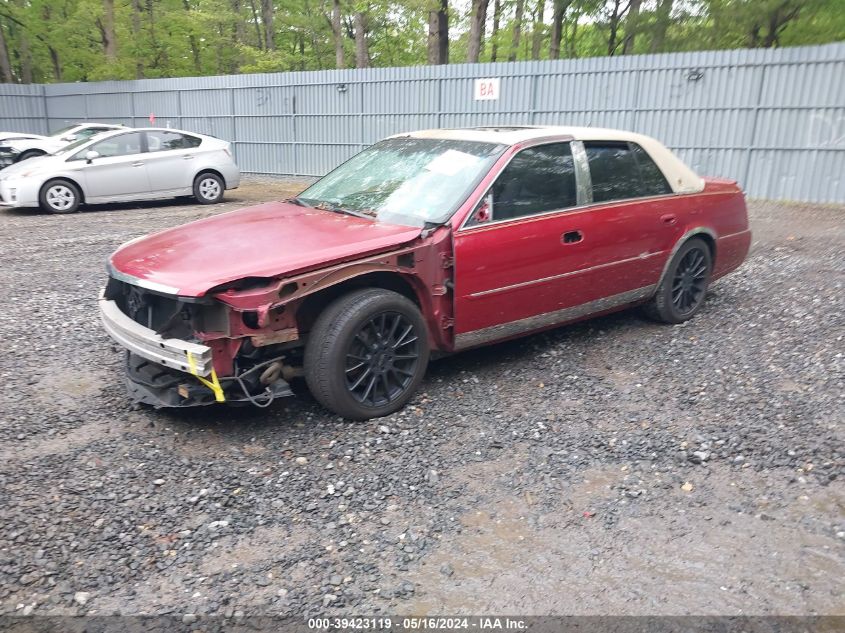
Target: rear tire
[
  {"x": 684, "y": 286},
  {"x": 209, "y": 188},
  {"x": 367, "y": 354},
  {"x": 60, "y": 196}
]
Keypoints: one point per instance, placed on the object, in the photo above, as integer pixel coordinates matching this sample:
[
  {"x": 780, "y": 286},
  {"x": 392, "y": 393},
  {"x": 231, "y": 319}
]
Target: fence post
[
  {"x": 46, "y": 113},
  {"x": 232, "y": 121},
  {"x": 753, "y": 139}
]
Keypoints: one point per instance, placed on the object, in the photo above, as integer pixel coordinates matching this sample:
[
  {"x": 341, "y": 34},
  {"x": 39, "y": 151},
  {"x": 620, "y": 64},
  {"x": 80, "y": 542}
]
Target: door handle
[
  {"x": 571, "y": 237},
  {"x": 187, "y": 158},
  {"x": 669, "y": 218},
  {"x": 138, "y": 164}
]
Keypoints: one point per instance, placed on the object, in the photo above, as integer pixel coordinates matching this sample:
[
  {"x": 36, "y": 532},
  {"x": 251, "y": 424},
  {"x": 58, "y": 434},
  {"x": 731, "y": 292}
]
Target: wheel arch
[
  {"x": 313, "y": 303},
  {"x": 209, "y": 170},
  {"x": 72, "y": 181},
  {"x": 706, "y": 234}
]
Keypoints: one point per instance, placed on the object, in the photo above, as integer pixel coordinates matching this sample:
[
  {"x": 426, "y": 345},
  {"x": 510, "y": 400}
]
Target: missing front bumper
[{"x": 154, "y": 385}]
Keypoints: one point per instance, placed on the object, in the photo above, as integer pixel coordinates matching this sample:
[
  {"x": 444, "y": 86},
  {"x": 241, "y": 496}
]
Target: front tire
[
  {"x": 209, "y": 188},
  {"x": 60, "y": 196},
  {"x": 683, "y": 288},
  {"x": 367, "y": 354}
]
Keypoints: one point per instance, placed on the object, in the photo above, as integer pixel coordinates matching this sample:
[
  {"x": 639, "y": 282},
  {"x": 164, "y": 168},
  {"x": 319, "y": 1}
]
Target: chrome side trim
[
  {"x": 558, "y": 317},
  {"x": 572, "y": 273},
  {"x": 143, "y": 283},
  {"x": 144, "y": 342},
  {"x": 730, "y": 235}
]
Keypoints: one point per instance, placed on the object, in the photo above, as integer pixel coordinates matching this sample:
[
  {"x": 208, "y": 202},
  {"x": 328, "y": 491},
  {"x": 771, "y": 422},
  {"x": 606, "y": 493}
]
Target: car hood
[
  {"x": 269, "y": 240},
  {"x": 37, "y": 164},
  {"x": 19, "y": 135},
  {"x": 46, "y": 144}
]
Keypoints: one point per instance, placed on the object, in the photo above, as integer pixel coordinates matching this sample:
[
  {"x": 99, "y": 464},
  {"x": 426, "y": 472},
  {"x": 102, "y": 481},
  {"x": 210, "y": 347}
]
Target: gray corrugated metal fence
[{"x": 772, "y": 119}]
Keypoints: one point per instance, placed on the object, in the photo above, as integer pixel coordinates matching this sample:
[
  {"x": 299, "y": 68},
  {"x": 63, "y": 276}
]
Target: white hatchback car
[
  {"x": 17, "y": 147},
  {"x": 129, "y": 164}
]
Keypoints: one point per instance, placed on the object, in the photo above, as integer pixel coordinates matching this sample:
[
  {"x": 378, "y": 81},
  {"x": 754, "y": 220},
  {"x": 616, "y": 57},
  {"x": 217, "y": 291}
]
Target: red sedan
[{"x": 434, "y": 241}]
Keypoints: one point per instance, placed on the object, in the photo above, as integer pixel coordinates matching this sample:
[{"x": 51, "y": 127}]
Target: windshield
[
  {"x": 63, "y": 130},
  {"x": 72, "y": 146},
  {"x": 405, "y": 180}
]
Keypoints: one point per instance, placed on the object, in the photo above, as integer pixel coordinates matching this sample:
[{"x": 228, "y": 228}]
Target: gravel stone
[{"x": 503, "y": 490}]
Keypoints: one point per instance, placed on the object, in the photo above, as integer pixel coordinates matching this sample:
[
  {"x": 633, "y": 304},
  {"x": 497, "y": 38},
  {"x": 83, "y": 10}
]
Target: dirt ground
[{"x": 612, "y": 467}]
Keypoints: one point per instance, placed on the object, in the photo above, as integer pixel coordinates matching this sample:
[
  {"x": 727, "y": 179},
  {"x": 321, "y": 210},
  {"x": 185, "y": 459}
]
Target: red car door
[{"x": 536, "y": 253}]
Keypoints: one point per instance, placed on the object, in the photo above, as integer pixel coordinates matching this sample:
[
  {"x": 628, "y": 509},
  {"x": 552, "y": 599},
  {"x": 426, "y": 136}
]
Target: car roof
[
  {"x": 116, "y": 126},
  {"x": 681, "y": 178},
  {"x": 123, "y": 130}
]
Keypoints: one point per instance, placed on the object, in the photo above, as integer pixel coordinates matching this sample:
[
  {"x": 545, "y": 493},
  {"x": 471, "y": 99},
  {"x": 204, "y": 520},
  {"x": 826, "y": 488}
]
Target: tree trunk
[
  {"x": 193, "y": 41},
  {"x": 517, "y": 30},
  {"x": 537, "y": 30},
  {"x": 560, "y": 7},
  {"x": 777, "y": 22},
  {"x": 5, "y": 62},
  {"x": 631, "y": 27},
  {"x": 239, "y": 32},
  {"x": 259, "y": 41},
  {"x": 109, "y": 35},
  {"x": 54, "y": 60},
  {"x": 267, "y": 21},
  {"x": 615, "y": 18},
  {"x": 438, "y": 34},
  {"x": 661, "y": 25},
  {"x": 497, "y": 14},
  {"x": 362, "y": 49},
  {"x": 25, "y": 58},
  {"x": 136, "y": 37},
  {"x": 337, "y": 36},
  {"x": 238, "y": 37},
  {"x": 476, "y": 29}
]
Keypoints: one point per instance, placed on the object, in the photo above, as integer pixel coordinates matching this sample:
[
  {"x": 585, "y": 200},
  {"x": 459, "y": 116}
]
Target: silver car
[{"x": 129, "y": 164}]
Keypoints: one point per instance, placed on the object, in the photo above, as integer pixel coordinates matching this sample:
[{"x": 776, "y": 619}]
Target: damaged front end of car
[
  {"x": 188, "y": 351},
  {"x": 243, "y": 341}
]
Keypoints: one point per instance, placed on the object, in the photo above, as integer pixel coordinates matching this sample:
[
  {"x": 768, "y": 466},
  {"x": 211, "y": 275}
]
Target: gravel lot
[{"x": 613, "y": 467}]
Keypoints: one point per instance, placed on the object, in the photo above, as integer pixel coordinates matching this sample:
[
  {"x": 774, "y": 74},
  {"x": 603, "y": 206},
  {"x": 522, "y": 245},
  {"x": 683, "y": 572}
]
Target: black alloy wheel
[
  {"x": 366, "y": 353},
  {"x": 382, "y": 359},
  {"x": 683, "y": 287},
  {"x": 689, "y": 282}
]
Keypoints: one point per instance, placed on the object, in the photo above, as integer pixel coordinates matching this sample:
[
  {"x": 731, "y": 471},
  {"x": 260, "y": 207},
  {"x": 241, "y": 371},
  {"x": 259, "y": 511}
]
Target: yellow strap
[{"x": 212, "y": 384}]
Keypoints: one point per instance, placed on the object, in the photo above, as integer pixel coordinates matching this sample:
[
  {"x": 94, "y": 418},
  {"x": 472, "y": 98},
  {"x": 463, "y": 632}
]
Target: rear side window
[
  {"x": 620, "y": 171},
  {"x": 653, "y": 182},
  {"x": 537, "y": 179},
  {"x": 164, "y": 141}
]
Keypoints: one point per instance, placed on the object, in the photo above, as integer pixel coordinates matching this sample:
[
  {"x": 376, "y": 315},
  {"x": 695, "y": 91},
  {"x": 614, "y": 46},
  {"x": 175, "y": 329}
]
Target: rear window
[{"x": 621, "y": 171}]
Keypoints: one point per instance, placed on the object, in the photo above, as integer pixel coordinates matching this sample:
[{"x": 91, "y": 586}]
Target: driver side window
[{"x": 538, "y": 179}]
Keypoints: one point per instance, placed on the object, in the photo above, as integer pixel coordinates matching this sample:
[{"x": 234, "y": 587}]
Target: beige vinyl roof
[{"x": 681, "y": 178}]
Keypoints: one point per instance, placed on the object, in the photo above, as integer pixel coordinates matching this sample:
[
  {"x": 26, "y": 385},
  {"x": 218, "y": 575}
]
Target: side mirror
[
  {"x": 90, "y": 155},
  {"x": 484, "y": 211},
  {"x": 70, "y": 138}
]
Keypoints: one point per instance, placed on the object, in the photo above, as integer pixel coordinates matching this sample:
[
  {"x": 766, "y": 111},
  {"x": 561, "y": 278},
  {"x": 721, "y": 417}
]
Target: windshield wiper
[
  {"x": 295, "y": 200},
  {"x": 328, "y": 206}
]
